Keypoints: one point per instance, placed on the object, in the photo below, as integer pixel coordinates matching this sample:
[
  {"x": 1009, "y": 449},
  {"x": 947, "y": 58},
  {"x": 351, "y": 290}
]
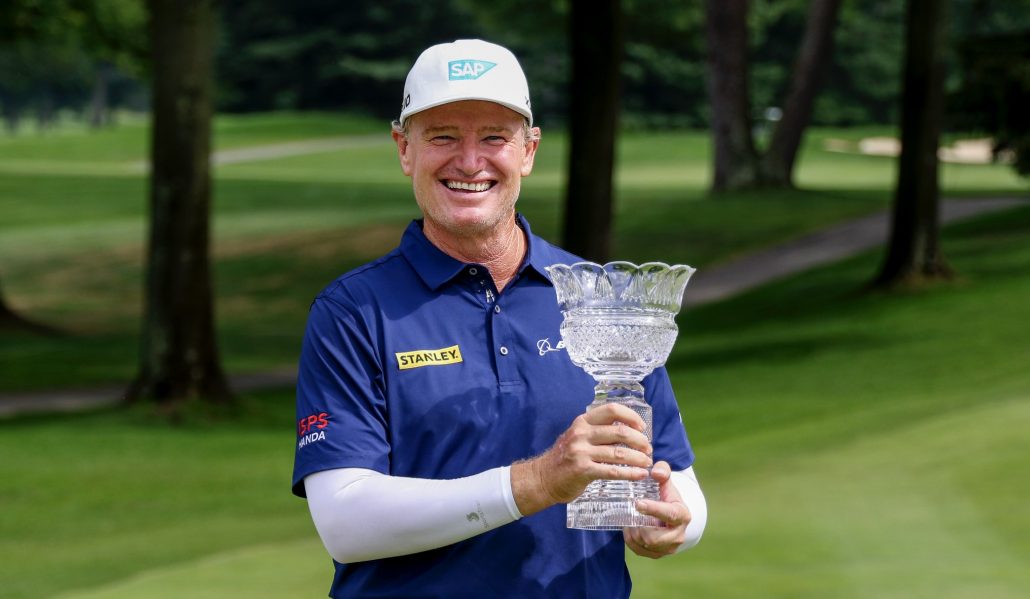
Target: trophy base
[{"x": 611, "y": 505}]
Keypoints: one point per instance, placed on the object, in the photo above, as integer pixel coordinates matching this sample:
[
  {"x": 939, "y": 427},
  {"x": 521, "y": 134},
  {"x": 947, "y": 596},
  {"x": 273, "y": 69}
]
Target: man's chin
[{"x": 470, "y": 225}]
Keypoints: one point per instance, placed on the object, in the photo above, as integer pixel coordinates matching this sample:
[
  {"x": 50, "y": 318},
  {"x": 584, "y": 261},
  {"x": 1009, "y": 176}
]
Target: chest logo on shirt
[
  {"x": 544, "y": 346},
  {"x": 428, "y": 357}
]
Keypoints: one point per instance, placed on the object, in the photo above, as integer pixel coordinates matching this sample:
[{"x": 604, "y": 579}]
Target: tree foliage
[
  {"x": 54, "y": 54},
  {"x": 995, "y": 91},
  {"x": 308, "y": 54},
  {"x": 991, "y": 86},
  {"x": 303, "y": 54}
]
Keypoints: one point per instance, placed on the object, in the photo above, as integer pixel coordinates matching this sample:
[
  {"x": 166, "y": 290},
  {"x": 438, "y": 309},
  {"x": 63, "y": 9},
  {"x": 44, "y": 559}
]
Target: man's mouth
[{"x": 469, "y": 186}]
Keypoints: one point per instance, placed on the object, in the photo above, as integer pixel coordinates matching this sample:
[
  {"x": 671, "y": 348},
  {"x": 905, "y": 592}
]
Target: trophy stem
[{"x": 611, "y": 504}]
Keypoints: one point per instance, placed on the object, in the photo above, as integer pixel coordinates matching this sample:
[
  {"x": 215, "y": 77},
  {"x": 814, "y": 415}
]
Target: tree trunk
[
  {"x": 806, "y": 78},
  {"x": 45, "y": 111},
  {"x": 736, "y": 162},
  {"x": 98, "y": 103},
  {"x": 11, "y": 109},
  {"x": 179, "y": 356},
  {"x": 596, "y": 41},
  {"x": 914, "y": 251}
]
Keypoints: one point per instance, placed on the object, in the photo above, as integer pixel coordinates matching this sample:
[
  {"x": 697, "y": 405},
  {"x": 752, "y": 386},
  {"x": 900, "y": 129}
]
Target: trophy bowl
[{"x": 619, "y": 325}]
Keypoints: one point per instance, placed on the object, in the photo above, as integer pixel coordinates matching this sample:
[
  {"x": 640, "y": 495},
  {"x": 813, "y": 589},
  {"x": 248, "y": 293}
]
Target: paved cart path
[
  {"x": 821, "y": 247},
  {"x": 708, "y": 285}
]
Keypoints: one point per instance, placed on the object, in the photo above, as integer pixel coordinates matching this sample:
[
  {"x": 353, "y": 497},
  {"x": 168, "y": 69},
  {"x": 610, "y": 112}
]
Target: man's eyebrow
[{"x": 438, "y": 129}]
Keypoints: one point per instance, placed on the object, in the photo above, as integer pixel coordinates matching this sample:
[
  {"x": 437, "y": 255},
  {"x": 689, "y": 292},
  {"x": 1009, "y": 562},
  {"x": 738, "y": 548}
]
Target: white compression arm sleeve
[
  {"x": 363, "y": 514},
  {"x": 688, "y": 487}
]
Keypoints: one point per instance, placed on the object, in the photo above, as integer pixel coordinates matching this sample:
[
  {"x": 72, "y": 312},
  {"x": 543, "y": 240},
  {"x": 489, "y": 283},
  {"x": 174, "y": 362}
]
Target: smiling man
[{"x": 438, "y": 442}]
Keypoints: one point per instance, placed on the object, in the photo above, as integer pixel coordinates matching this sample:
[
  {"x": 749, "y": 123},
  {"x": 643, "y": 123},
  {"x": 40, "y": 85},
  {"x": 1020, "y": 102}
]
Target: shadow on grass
[{"x": 13, "y": 323}]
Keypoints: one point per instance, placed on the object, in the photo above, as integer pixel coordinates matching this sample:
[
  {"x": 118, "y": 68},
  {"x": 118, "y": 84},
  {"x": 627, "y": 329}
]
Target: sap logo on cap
[{"x": 458, "y": 70}]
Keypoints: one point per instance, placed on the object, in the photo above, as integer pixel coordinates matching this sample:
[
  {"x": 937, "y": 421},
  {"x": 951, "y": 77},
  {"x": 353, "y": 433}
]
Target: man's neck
[{"x": 501, "y": 251}]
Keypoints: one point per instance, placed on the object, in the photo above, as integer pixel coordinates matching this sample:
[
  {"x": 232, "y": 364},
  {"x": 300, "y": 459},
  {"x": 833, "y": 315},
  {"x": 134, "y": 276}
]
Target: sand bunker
[{"x": 965, "y": 151}]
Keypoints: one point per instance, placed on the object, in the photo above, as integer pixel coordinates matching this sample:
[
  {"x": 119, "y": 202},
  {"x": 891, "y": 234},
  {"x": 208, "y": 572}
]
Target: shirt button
[
  {"x": 497, "y": 308},
  {"x": 473, "y": 271},
  {"x": 504, "y": 351}
]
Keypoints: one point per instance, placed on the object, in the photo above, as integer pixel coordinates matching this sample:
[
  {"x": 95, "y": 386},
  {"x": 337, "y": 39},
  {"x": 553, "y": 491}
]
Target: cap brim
[{"x": 518, "y": 109}]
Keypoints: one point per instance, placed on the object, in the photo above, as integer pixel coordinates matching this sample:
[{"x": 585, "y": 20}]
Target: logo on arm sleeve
[
  {"x": 428, "y": 357},
  {"x": 312, "y": 428}
]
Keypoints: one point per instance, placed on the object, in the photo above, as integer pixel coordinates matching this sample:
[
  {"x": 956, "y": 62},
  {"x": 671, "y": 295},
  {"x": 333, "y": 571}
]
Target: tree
[
  {"x": 310, "y": 54},
  {"x": 595, "y": 30},
  {"x": 112, "y": 33},
  {"x": 179, "y": 356},
  {"x": 914, "y": 249},
  {"x": 737, "y": 163},
  {"x": 24, "y": 28},
  {"x": 777, "y": 166},
  {"x": 53, "y": 51},
  {"x": 995, "y": 87}
]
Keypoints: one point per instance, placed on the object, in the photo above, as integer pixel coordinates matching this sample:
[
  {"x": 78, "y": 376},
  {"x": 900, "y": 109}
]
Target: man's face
[{"x": 466, "y": 161}]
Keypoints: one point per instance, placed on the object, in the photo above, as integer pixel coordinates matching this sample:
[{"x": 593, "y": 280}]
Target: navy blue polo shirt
[{"x": 414, "y": 365}]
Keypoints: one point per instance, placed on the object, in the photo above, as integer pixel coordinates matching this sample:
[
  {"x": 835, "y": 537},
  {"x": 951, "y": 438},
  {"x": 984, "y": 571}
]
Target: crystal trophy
[{"x": 619, "y": 325}]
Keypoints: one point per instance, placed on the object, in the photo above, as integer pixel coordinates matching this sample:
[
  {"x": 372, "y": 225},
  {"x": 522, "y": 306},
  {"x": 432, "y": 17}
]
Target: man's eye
[
  {"x": 495, "y": 139},
  {"x": 441, "y": 139}
]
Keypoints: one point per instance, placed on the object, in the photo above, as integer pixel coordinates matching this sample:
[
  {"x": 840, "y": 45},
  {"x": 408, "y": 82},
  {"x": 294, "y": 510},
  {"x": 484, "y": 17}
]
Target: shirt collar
[
  {"x": 429, "y": 261},
  {"x": 437, "y": 268},
  {"x": 539, "y": 253}
]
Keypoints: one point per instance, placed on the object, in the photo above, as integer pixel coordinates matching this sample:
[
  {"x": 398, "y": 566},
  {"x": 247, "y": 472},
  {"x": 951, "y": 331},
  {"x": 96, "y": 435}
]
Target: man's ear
[
  {"x": 402, "y": 151},
  {"x": 530, "y": 155}
]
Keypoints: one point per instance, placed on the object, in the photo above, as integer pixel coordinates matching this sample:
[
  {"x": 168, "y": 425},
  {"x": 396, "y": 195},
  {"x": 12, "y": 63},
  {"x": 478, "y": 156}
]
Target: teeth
[{"x": 468, "y": 186}]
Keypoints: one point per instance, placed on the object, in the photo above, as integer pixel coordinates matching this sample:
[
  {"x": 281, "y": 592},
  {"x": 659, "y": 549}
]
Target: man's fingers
[
  {"x": 624, "y": 435},
  {"x": 619, "y": 472},
  {"x": 639, "y": 542},
  {"x": 672, "y": 514},
  {"x": 610, "y": 413},
  {"x": 661, "y": 471}
]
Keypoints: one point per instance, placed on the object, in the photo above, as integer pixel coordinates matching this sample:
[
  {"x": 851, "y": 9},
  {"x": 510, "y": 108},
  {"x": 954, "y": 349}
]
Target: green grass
[
  {"x": 73, "y": 218},
  {"x": 850, "y": 444},
  {"x": 105, "y": 496},
  {"x": 861, "y": 445},
  {"x": 73, "y": 212},
  {"x": 280, "y": 570}
]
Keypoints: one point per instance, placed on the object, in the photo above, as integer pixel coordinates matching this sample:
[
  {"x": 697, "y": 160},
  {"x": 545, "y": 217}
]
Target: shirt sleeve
[
  {"x": 670, "y": 438},
  {"x": 341, "y": 406}
]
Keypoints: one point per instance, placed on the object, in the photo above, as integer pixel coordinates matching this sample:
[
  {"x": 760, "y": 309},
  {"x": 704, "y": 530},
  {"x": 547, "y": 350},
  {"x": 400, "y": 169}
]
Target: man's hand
[
  {"x": 659, "y": 542},
  {"x": 606, "y": 442}
]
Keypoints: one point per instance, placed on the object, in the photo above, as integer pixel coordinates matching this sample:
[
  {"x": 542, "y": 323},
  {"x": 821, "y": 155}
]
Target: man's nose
[{"x": 469, "y": 159}]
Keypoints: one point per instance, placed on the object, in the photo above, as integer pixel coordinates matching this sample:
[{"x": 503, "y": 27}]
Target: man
[{"x": 441, "y": 426}]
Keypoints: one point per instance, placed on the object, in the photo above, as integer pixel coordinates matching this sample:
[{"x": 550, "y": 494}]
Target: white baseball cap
[{"x": 465, "y": 70}]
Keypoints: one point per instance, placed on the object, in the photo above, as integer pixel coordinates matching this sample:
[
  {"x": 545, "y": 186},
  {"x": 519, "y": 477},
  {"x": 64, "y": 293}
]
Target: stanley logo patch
[{"x": 428, "y": 357}]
